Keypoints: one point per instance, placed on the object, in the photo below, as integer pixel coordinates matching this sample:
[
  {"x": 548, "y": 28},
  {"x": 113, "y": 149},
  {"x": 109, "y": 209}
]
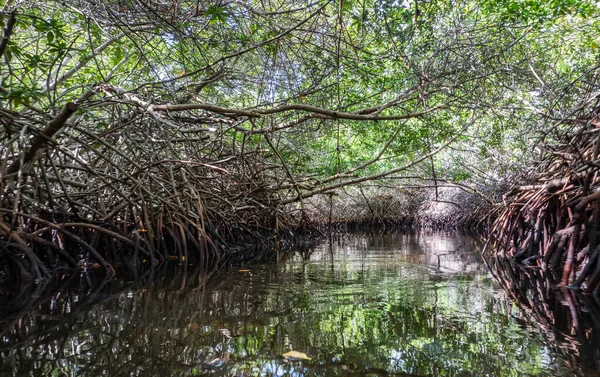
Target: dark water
[{"x": 420, "y": 304}]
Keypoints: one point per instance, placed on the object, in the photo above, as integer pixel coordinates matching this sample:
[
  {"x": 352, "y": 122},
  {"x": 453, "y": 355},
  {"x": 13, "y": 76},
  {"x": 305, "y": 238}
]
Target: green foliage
[
  {"x": 22, "y": 95},
  {"x": 497, "y": 62},
  {"x": 539, "y": 11},
  {"x": 216, "y": 13}
]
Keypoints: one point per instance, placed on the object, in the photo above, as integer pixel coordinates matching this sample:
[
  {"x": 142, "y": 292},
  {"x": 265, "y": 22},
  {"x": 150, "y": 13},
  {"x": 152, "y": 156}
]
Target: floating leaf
[
  {"x": 243, "y": 270},
  {"x": 296, "y": 355}
]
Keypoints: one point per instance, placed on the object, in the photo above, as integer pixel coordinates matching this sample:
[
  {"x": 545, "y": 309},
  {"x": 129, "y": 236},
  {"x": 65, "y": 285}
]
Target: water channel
[{"x": 399, "y": 304}]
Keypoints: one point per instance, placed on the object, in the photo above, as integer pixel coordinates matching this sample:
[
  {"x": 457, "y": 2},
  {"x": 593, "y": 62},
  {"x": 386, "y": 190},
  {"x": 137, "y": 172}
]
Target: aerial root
[{"x": 553, "y": 221}]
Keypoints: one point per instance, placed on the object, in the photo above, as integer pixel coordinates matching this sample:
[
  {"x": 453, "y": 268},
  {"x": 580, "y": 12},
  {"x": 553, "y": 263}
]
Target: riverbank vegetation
[
  {"x": 135, "y": 132},
  {"x": 554, "y": 219}
]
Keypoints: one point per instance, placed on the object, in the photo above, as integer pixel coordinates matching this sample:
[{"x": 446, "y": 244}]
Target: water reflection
[
  {"x": 568, "y": 319},
  {"x": 419, "y": 304}
]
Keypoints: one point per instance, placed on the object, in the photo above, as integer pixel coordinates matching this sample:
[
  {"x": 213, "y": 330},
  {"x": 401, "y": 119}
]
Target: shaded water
[{"x": 419, "y": 304}]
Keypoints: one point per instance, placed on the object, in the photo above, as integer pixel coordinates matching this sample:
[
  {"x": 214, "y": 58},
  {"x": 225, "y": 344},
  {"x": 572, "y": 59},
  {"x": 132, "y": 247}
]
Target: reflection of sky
[
  {"x": 452, "y": 253},
  {"x": 411, "y": 303}
]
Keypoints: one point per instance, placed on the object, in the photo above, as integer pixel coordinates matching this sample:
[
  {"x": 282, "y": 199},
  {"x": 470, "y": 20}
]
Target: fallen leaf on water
[
  {"x": 243, "y": 270},
  {"x": 296, "y": 355}
]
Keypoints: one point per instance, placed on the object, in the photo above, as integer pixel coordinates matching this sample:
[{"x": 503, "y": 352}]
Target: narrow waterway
[{"x": 416, "y": 303}]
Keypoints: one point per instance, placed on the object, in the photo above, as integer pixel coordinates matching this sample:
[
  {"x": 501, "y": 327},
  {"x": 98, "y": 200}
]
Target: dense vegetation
[{"x": 185, "y": 127}]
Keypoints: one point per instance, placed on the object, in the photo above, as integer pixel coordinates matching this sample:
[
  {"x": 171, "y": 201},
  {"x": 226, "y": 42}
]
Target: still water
[{"x": 412, "y": 304}]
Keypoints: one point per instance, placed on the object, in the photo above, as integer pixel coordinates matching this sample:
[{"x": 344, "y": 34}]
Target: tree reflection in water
[
  {"x": 364, "y": 304},
  {"x": 569, "y": 319}
]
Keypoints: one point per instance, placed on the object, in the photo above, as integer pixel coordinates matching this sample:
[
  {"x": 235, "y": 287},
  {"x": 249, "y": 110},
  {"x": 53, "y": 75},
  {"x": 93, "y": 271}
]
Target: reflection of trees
[
  {"x": 450, "y": 251},
  {"x": 374, "y": 311},
  {"x": 88, "y": 326},
  {"x": 566, "y": 318}
]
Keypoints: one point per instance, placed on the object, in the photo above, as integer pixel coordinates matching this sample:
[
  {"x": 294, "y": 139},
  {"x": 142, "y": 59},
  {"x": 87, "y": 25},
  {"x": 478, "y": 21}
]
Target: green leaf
[
  {"x": 216, "y": 13},
  {"x": 41, "y": 26},
  {"x": 50, "y": 36}
]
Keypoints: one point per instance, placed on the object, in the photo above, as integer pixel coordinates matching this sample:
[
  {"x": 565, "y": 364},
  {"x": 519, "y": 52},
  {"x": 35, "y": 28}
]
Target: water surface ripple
[{"x": 400, "y": 304}]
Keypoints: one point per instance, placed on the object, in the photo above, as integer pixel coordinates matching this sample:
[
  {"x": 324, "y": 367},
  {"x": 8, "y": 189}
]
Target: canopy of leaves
[{"x": 335, "y": 92}]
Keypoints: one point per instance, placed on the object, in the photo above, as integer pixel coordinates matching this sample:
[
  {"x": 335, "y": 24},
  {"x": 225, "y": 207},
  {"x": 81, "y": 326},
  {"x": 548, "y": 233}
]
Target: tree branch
[
  {"x": 7, "y": 32},
  {"x": 370, "y": 177}
]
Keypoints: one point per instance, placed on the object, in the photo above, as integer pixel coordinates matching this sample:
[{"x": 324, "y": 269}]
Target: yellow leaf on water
[
  {"x": 296, "y": 355},
  {"x": 243, "y": 270}
]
